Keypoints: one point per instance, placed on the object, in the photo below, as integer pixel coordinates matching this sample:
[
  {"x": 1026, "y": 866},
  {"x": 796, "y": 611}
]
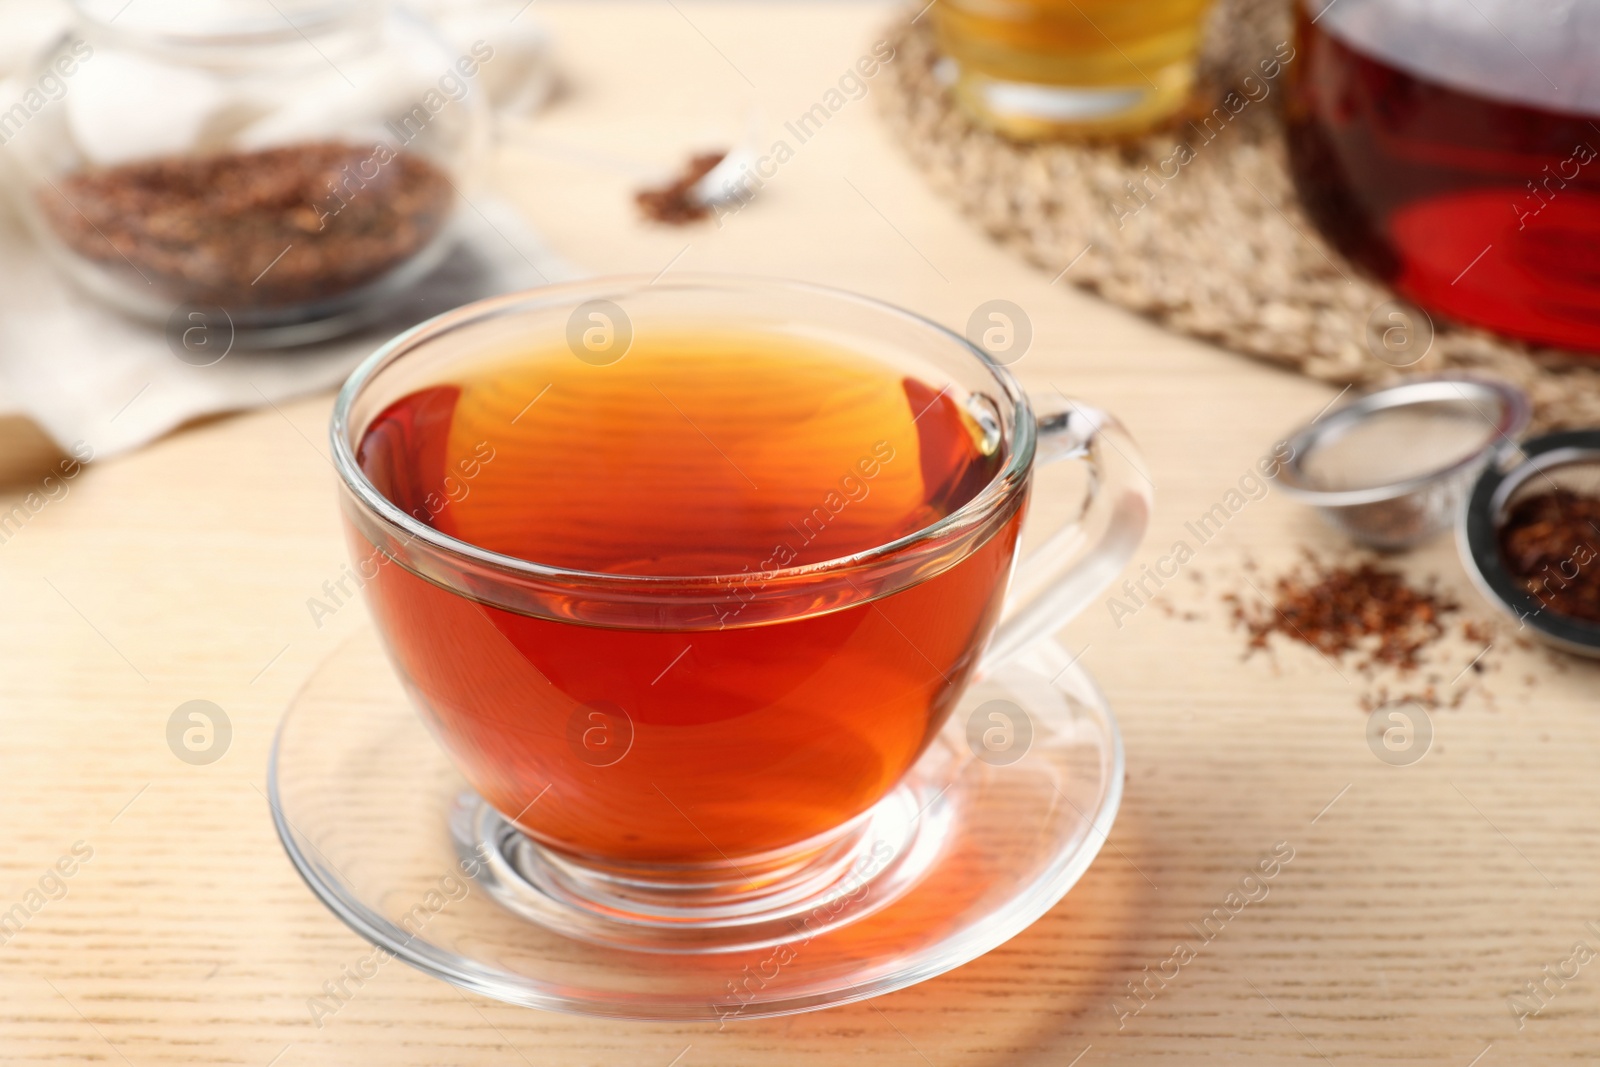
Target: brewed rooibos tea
[
  {"x": 692, "y": 456},
  {"x": 1450, "y": 147}
]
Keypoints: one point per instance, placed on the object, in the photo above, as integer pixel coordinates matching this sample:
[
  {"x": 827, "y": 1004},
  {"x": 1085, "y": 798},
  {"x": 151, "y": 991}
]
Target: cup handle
[{"x": 1060, "y": 577}]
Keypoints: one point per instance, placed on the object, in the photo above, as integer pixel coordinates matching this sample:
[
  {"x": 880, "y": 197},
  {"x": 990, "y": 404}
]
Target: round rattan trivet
[{"x": 1222, "y": 251}]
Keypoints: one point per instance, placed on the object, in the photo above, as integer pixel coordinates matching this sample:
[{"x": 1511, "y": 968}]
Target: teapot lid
[{"x": 1539, "y": 55}]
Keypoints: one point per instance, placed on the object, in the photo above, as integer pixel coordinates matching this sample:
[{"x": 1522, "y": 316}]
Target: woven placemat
[{"x": 1222, "y": 251}]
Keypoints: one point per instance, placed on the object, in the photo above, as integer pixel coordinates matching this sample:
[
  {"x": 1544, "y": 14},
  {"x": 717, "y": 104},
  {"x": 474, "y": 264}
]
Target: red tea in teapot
[{"x": 1454, "y": 151}]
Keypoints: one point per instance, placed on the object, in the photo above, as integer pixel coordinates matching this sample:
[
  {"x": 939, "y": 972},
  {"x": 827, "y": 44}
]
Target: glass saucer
[{"x": 994, "y": 824}]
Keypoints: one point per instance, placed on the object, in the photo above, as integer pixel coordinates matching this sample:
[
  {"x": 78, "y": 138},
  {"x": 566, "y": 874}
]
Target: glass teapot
[{"x": 1452, "y": 147}]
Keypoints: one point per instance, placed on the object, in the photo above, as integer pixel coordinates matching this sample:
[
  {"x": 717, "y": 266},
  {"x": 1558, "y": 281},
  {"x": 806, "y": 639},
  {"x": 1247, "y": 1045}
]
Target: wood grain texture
[{"x": 1412, "y": 908}]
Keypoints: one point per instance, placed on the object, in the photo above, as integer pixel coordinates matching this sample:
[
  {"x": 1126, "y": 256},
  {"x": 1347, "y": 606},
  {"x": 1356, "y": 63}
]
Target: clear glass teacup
[{"x": 686, "y": 575}]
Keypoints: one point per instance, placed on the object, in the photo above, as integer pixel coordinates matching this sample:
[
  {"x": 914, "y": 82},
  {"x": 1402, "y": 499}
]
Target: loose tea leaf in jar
[{"x": 255, "y": 230}]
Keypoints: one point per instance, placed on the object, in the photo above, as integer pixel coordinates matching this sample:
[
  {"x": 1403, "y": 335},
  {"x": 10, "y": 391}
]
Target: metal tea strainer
[
  {"x": 1569, "y": 461},
  {"x": 1392, "y": 467}
]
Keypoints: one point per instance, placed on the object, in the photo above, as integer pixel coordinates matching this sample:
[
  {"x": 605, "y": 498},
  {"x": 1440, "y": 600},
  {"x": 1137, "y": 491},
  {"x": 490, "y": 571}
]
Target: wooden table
[{"x": 1418, "y": 898}]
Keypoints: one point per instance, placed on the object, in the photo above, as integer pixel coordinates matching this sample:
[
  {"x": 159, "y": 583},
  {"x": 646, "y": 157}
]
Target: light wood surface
[{"x": 1414, "y": 904}]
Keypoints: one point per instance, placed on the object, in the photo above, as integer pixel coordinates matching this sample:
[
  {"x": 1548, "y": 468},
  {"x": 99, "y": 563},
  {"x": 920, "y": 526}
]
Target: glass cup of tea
[
  {"x": 686, "y": 575},
  {"x": 1035, "y": 69}
]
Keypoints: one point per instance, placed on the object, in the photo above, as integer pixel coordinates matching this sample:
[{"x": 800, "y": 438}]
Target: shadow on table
[{"x": 1037, "y": 999}]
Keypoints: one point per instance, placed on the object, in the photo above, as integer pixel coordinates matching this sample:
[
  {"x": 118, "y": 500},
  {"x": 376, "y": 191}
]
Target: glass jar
[
  {"x": 1452, "y": 147},
  {"x": 296, "y": 164}
]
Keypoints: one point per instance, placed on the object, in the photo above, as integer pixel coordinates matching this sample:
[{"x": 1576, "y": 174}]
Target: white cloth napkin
[{"x": 84, "y": 373}]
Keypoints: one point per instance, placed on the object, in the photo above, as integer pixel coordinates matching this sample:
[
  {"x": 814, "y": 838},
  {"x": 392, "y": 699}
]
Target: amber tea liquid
[
  {"x": 1036, "y": 68},
  {"x": 693, "y": 455}
]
